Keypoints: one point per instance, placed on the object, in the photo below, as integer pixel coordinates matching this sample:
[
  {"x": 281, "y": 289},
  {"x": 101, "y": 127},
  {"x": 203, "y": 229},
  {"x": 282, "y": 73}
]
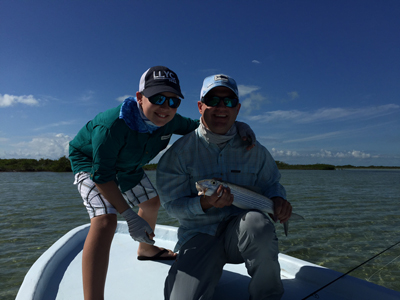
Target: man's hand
[
  {"x": 221, "y": 198},
  {"x": 282, "y": 209}
]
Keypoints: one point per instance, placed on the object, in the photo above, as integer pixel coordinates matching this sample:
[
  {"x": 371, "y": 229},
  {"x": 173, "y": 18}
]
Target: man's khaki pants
[{"x": 248, "y": 238}]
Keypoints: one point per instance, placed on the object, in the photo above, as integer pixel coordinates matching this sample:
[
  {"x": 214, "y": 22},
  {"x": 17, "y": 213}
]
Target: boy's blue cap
[{"x": 213, "y": 81}]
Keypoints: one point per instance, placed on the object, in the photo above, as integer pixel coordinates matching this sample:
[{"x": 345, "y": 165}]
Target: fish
[{"x": 243, "y": 197}]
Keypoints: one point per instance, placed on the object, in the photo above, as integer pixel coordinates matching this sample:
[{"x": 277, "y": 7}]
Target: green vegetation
[
  {"x": 150, "y": 167},
  {"x": 369, "y": 167},
  {"x": 33, "y": 165},
  {"x": 63, "y": 165},
  {"x": 285, "y": 166}
]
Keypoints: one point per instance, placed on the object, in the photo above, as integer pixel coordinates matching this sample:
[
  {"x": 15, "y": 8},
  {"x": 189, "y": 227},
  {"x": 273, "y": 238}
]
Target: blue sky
[{"x": 319, "y": 81}]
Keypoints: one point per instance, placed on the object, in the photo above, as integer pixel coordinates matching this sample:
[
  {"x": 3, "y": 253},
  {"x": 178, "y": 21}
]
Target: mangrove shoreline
[{"x": 63, "y": 165}]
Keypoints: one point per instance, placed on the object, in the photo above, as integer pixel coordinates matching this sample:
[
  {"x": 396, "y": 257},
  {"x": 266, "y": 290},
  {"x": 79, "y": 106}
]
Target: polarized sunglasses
[
  {"x": 214, "y": 101},
  {"x": 159, "y": 99}
]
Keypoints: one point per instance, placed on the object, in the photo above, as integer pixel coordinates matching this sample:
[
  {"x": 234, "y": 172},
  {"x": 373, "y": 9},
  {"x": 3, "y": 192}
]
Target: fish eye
[{"x": 212, "y": 181}]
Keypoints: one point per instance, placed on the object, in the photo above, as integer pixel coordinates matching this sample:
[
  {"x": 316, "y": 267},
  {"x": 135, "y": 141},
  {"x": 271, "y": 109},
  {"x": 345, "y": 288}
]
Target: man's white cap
[{"x": 213, "y": 81}]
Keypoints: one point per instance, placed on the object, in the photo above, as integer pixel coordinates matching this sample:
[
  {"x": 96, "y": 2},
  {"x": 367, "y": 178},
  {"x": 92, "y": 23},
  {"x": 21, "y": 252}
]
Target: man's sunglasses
[
  {"x": 159, "y": 99},
  {"x": 214, "y": 101}
]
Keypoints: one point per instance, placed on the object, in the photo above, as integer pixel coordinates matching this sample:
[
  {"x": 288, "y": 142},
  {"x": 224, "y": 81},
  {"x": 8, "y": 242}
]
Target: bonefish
[{"x": 243, "y": 198}]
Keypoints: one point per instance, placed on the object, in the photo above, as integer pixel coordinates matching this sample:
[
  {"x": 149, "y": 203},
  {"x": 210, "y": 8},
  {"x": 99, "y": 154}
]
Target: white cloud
[
  {"x": 122, "y": 98},
  {"x": 247, "y": 89},
  {"x": 87, "y": 96},
  {"x": 253, "y": 102},
  {"x": 345, "y": 154},
  {"x": 342, "y": 154},
  {"x": 278, "y": 115},
  {"x": 318, "y": 137},
  {"x": 284, "y": 153},
  {"x": 256, "y": 61},
  {"x": 249, "y": 99},
  {"x": 52, "y": 146},
  {"x": 353, "y": 131},
  {"x": 62, "y": 123},
  {"x": 326, "y": 114},
  {"x": 293, "y": 95},
  {"x": 10, "y": 100},
  {"x": 360, "y": 154},
  {"x": 323, "y": 154}
]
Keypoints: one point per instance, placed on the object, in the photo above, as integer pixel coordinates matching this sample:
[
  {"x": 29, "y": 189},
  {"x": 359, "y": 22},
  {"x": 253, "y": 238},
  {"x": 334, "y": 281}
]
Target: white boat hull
[{"x": 57, "y": 274}]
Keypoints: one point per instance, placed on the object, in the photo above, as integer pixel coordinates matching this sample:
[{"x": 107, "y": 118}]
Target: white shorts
[{"x": 96, "y": 204}]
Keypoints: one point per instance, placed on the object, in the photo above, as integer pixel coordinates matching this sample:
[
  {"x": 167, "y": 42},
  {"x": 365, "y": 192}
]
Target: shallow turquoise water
[{"x": 351, "y": 215}]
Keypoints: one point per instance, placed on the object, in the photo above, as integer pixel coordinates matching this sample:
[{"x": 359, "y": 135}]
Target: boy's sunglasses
[
  {"x": 159, "y": 99},
  {"x": 214, "y": 101}
]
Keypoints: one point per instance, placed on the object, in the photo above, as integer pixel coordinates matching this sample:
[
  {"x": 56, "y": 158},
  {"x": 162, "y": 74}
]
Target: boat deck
[{"x": 57, "y": 274}]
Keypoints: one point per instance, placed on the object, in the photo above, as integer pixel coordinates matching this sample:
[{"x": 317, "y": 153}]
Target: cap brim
[{"x": 154, "y": 90}]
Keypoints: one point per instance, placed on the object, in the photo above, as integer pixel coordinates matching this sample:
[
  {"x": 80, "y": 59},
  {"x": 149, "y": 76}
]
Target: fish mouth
[{"x": 201, "y": 189}]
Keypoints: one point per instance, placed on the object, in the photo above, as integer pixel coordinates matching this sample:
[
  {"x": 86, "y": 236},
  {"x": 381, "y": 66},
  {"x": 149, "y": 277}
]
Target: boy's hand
[{"x": 139, "y": 229}]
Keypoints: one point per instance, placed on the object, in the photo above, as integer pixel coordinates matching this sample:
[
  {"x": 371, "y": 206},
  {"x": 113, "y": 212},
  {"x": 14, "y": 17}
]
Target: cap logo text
[{"x": 162, "y": 75}]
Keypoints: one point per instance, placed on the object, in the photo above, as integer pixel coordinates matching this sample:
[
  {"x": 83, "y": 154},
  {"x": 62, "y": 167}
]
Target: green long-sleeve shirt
[{"x": 108, "y": 149}]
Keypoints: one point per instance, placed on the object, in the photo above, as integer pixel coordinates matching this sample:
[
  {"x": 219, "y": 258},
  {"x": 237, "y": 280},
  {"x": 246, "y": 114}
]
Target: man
[{"x": 212, "y": 231}]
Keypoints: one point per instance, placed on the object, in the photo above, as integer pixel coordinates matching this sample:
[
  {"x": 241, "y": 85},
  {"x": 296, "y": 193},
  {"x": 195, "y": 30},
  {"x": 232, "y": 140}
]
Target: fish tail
[{"x": 286, "y": 227}]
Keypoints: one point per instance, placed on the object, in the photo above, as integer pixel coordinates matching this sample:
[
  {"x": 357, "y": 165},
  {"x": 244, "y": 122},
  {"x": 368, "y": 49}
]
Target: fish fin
[
  {"x": 296, "y": 217},
  {"x": 286, "y": 227}
]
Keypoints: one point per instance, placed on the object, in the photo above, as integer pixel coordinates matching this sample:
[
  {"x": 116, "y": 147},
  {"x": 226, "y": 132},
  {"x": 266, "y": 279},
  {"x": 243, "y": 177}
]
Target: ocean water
[{"x": 351, "y": 215}]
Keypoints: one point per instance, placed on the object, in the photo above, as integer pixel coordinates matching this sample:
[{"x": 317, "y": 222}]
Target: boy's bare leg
[
  {"x": 95, "y": 255},
  {"x": 148, "y": 210}
]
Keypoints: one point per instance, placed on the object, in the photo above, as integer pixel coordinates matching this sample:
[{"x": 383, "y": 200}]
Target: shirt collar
[{"x": 219, "y": 140}]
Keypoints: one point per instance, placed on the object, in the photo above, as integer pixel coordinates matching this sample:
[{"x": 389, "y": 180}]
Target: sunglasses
[
  {"x": 214, "y": 101},
  {"x": 159, "y": 99}
]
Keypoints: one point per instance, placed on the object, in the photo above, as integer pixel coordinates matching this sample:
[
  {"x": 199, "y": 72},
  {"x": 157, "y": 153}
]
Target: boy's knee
[
  {"x": 156, "y": 203},
  {"x": 105, "y": 222},
  {"x": 152, "y": 204}
]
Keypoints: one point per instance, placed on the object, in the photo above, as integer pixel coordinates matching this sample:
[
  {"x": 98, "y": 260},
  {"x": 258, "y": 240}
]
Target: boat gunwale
[{"x": 42, "y": 280}]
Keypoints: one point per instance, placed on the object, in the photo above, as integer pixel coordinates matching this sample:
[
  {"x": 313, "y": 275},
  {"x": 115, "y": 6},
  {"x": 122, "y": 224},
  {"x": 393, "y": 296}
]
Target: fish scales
[
  {"x": 243, "y": 198},
  {"x": 248, "y": 199}
]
